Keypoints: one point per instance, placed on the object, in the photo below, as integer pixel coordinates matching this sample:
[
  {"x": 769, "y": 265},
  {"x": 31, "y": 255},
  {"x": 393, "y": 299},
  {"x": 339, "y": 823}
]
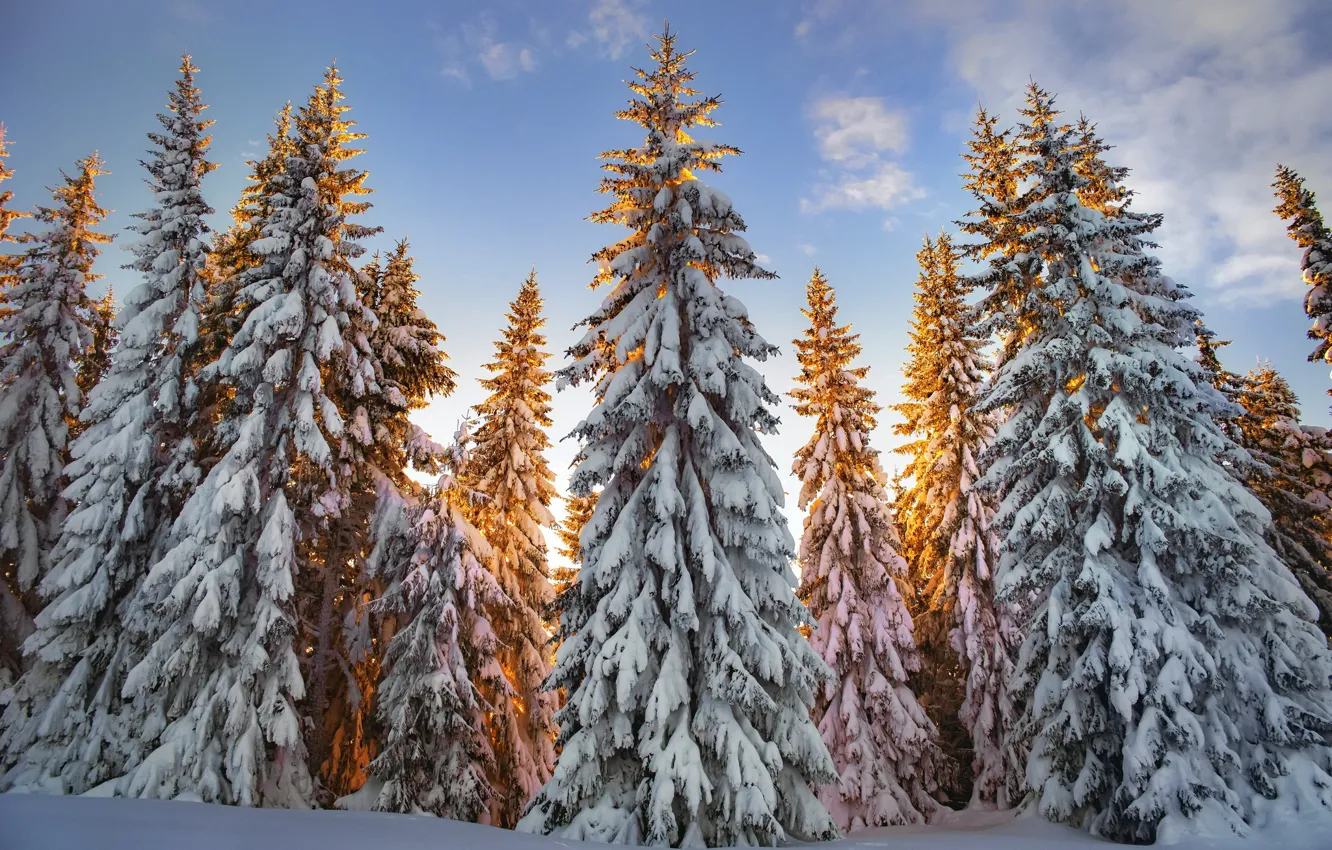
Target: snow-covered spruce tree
[
  {"x": 436, "y": 755},
  {"x": 516, "y": 487},
  {"x": 132, "y": 468},
  {"x": 217, "y": 609},
  {"x": 47, "y": 327},
  {"x": 1171, "y": 677},
  {"x": 1297, "y": 205},
  {"x": 1296, "y": 491},
  {"x": 885, "y": 748},
  {"x": 402, "y": 347},
  {"x": 947, "y": 517},
  {"x": 689, "y": 685},
  {"x": 15, "y": 621}
]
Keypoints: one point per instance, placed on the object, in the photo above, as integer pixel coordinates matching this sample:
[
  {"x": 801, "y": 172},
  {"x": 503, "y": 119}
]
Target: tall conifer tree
[
  {"x": 884, "y": 746},
  {"x": 219, "y": 608},
  {"x": 48, "y": 327},
  {"x": 1171, "y": 677},
  {"x": 516, "y": 488},
  {"x": 948, "y": 520},
  {"x": 132, "y": 468},
  {"x": 689, "y": 684}
]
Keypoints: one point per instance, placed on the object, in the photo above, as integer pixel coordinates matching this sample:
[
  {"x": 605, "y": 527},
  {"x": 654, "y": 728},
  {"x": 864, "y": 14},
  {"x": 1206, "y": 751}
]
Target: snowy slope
[{"x": 29, "y": 822}]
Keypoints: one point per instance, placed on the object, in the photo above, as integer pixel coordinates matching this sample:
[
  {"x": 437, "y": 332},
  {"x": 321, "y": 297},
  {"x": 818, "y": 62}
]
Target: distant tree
[
  {"x": 885, "y": 748},
  {"x": 577, "y": 513},
  {"x": 968, "y": 640},
  {"x": 1297, "y": 486},
  {"x": 516, "y": 487}
]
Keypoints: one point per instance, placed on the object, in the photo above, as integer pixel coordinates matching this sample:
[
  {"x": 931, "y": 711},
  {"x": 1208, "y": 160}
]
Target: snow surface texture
[{"x": 80, "y": 823}]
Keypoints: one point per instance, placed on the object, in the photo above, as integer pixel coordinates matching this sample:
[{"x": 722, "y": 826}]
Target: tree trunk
[{"x": 322, "y": 663}]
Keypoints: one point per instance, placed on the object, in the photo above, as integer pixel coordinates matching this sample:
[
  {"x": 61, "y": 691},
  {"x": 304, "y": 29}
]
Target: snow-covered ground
[{"x": 31, "y": 822}]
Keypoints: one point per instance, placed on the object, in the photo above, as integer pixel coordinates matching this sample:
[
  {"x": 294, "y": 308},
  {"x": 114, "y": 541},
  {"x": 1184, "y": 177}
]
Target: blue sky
[{"x": 485, "y": 122}]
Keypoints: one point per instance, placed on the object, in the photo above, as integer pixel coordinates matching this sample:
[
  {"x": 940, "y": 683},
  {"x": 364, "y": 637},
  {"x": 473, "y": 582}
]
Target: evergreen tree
[
  {"x": 1297, "y": 486},
  {"x": 577, "y": 513},
  {"x": 15, "y": 622},
  {"x": 1214, "y": 373},
  {"x": 47, "y": 328},
  {"x": 436, "y": 756},
  {"x": 689, "y": 684},
  {"x": 131, "y": 469},
  {"x": 218, "y": 608},
  {"x": 947, "y": 519},
  {"x": 515, "y": 488},
  {"x": 1297, "y": 205},
  {"x": 1171, "y": 677},
  {"x": 884, "y": 746}
]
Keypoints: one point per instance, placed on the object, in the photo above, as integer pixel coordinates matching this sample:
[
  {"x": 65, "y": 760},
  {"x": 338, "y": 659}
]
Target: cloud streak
[{"x": 854, "y": 134}]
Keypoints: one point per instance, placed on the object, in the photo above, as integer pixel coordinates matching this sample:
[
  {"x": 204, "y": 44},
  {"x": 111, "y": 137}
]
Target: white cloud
[
  {"x": 476, "y": 43},
  {"x": 503, "y": 61},
  {"x": 884, "y": 188},
  {"x": 1202, "y": 99},
  {"x": 615, "y": 25},
  {"x": 762, "y": 259},
  {"x": 853, "y": 134},
  {"x": 855, "y": 129},
  {"x": 807, "y": 249}
]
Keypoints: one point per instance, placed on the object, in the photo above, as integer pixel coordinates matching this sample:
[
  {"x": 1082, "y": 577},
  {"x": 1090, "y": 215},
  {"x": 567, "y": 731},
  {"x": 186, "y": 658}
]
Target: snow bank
[{"x": 32, "y": 822}]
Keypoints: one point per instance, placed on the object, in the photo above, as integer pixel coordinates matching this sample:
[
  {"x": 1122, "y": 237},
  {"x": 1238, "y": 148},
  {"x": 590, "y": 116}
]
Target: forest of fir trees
[{"x": 1098, "y": 588}]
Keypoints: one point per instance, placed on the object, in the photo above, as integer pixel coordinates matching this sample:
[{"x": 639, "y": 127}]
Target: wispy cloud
[
  {"x": 477, "y": 43},
  {"x": 1201, "y": 97},
  {"x": 807, "y": 249},
  {"x": 814, "y": 14},
  {"x": 854, "y": 135},
  {"x": 613, "y": 26}
]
